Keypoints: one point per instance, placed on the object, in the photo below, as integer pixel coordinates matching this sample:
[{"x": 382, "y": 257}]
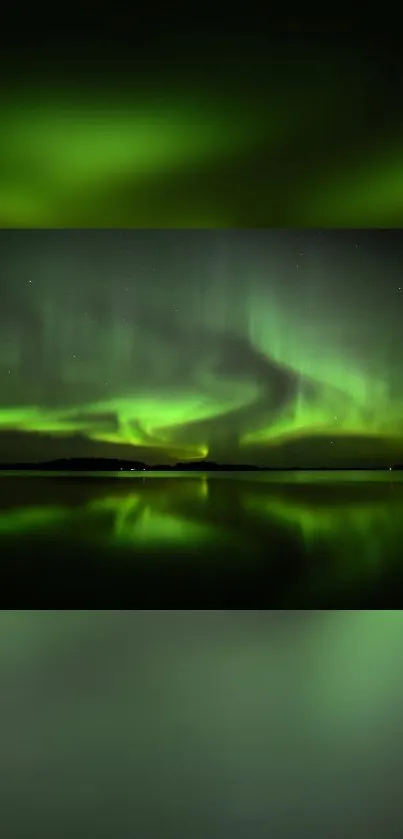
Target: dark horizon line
[{"x": 120, "y": 464}]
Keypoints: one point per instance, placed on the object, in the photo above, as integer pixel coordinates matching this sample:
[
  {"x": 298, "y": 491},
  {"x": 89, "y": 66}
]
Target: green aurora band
[{"x": 246, "y": 366}]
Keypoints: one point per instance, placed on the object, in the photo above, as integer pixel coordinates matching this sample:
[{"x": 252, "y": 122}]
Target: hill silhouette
[{"x": 82, "y": 464}]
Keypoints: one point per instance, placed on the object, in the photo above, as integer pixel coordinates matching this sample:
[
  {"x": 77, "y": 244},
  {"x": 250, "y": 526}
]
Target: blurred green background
[
  {"x": 152, "y": 120},
  {"x": 201, "y": 723}
]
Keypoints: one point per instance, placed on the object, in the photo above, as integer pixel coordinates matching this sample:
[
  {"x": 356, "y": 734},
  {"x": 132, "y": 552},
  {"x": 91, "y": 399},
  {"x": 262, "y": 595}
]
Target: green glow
[
  {"x": 69, "y": 160},
  {"x": 359, "y": 197},
  {"x": 32, "y": 519},
  {"x": 201, "y": 155}
]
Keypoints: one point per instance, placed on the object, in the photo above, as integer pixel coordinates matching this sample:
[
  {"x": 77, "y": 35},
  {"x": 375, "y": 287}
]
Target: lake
[
  {"x": 220, "y": 540},
  {"x": 163, "y": 724}
]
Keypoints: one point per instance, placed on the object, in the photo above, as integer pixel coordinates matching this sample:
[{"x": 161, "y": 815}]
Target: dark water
[
  {"x": 227, "y": 724},
  {"x": 308, "y": 540}
]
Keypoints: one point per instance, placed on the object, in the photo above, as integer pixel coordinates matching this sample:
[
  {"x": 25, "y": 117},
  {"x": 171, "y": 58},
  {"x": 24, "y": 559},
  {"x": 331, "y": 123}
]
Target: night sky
[{"x": 265, "y": 347}]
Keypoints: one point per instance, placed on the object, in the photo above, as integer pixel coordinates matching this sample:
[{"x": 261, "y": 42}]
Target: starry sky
[{"x": 269, "y": 347}]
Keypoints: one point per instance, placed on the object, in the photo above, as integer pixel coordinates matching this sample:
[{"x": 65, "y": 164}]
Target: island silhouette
[{"x": 96, "y": 464}]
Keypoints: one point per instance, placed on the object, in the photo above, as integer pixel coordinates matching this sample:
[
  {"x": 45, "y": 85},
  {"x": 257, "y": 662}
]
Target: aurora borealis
[{"x": 265, "y": 347}]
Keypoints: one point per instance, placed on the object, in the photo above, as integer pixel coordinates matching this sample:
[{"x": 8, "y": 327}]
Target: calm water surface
[{"x": 275, "y": 540}]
